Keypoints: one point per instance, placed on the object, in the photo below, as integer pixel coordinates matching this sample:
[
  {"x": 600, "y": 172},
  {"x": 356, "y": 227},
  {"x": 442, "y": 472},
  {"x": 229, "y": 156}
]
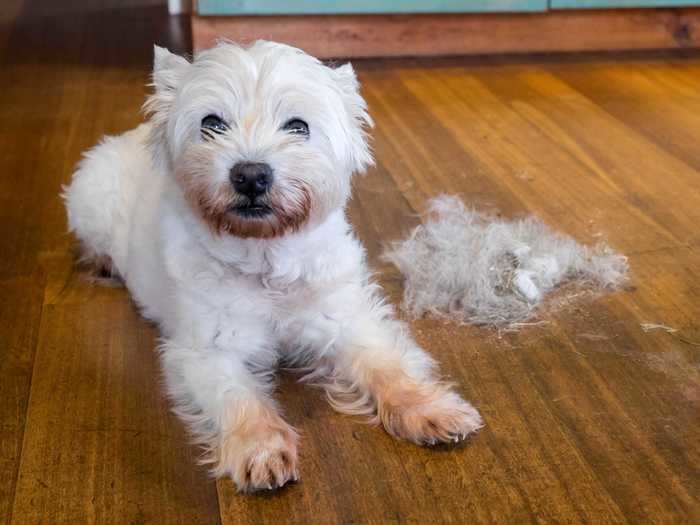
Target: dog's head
[{"x": 262, "y": 140}]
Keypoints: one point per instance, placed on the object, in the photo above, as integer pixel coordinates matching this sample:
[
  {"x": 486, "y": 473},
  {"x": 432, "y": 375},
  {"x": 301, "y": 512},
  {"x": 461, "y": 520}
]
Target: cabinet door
[
  {"x": 602, "y": 4},
  {"x": 298, "y": 7}
]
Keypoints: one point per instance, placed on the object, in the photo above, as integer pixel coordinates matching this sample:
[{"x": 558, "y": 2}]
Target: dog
[{"x": 224, "y": 216}]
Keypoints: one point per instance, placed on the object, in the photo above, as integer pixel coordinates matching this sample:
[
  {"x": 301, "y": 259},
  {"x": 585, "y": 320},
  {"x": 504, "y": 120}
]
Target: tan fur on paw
[
  {"x": 260, "y": 450},
  {"x": 268, "y": 465},
  {"x": 425, "y": 413}
]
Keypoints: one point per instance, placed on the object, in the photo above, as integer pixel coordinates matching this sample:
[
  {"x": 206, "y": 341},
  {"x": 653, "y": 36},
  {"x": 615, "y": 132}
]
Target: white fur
[
  {"x": 475, "y": 268},
  {"x": 230, "y": 308}
]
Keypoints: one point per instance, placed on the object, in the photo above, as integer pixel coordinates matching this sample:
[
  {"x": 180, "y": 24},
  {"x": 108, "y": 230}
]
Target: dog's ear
[
  {"x": 356, "y": 107},
  {"x": 167, "y": 69}
]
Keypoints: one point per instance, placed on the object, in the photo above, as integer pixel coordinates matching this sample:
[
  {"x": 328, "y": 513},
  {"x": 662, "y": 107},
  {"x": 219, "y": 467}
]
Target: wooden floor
[{"x": 589, "y": 419}]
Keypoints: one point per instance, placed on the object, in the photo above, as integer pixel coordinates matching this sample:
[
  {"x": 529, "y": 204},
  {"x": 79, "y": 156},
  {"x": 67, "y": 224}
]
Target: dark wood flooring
[{"x": 589, "y": 419}]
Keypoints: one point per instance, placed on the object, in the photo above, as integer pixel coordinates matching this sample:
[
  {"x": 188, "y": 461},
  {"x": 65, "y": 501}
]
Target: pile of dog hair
[{"x": 471, "y": 267}]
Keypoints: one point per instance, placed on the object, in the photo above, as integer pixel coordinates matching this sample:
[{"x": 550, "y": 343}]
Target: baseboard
[{"x": 336, "y": 36}]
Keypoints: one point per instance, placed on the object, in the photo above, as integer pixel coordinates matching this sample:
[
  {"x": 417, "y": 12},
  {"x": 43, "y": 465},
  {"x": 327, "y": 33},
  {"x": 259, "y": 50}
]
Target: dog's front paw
[
  {"x": 268, "y": 465},
  {"x": 264, "y": 457},
  {"x": 427, "y": 414}
]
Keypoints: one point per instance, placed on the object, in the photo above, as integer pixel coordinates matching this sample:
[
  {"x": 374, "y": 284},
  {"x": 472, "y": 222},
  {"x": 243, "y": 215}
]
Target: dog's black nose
[{"x": 251, "y": 179}]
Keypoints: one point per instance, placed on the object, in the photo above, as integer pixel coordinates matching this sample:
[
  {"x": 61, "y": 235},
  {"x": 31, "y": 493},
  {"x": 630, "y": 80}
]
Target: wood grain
[
  {"x": 101, "y": 445},
  {"x": 92, "y": 448},
  {"x": 333, "y": 36},
  {"x": 20, "y": 314},
  {"x": 589, "y": 418}
]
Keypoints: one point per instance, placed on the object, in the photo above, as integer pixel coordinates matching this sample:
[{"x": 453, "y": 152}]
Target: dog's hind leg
[{"x": 100, "y": 198}]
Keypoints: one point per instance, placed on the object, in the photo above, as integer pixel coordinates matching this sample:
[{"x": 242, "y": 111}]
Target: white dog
[{"x": 224, "y": 216}]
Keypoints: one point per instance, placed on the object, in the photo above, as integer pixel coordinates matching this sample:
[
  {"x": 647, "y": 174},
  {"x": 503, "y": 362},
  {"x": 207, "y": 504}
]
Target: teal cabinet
[
  {"x": 305, "y": 7},
  {"x": 602, "y": 4},
  {"x": 339, "y": 7}
]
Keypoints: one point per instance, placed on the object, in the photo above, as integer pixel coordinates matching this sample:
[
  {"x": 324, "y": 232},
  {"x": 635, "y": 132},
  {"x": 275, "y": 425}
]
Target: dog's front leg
[
  {"x": 229, "y": 410},
  {"x": 376, "y": 368}
]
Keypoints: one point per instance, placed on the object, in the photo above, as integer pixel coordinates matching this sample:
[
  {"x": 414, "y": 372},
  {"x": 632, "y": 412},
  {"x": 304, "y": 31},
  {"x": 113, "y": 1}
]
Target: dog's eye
[
  {"x": 296, "y": 126},
  {"x": 213, "y": 124}
]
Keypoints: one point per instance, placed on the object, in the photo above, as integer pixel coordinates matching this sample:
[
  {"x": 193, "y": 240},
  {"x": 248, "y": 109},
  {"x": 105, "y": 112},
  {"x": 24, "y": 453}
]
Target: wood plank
[
  {"x": 619, "y": 167},
  {"x": 483, "y": 162},
  {"x": 433, "y": 162},
  {"x": 459, "y": 34},
  {"x": 20, "y": 313},
  {"x": 655, "y": 103},
  {"x": 100, "y": 443}
]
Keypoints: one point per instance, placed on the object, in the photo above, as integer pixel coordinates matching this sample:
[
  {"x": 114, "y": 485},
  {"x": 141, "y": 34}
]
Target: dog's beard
[{"x": 284, "y": 209}]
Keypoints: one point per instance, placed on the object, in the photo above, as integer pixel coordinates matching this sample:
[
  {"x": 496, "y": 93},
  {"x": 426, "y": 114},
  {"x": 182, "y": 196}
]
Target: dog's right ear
[{"x": 168, "y": 68}]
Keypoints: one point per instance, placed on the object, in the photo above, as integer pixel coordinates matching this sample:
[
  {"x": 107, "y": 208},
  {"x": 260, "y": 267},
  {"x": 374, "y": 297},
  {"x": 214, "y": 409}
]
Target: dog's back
[{"x": 100, "y": 198}]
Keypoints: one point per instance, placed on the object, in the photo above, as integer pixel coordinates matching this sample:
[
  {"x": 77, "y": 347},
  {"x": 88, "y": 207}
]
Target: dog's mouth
[{"x": 251, "y": 210}]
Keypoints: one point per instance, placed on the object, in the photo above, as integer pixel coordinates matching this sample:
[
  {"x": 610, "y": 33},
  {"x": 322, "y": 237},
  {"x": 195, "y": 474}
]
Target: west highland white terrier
[{"x": 224, "y": 216}]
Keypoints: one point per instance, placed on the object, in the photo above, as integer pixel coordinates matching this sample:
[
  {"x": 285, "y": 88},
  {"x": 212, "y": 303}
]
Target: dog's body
[{"x": 224, "y": 215}]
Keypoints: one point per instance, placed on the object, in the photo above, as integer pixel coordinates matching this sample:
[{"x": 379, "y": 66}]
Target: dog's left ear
[{"x": 356, "y": 107}]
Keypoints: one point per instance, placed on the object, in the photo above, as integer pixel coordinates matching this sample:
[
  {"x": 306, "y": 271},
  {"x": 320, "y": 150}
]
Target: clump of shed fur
[{"x": 475, "y": 268}]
